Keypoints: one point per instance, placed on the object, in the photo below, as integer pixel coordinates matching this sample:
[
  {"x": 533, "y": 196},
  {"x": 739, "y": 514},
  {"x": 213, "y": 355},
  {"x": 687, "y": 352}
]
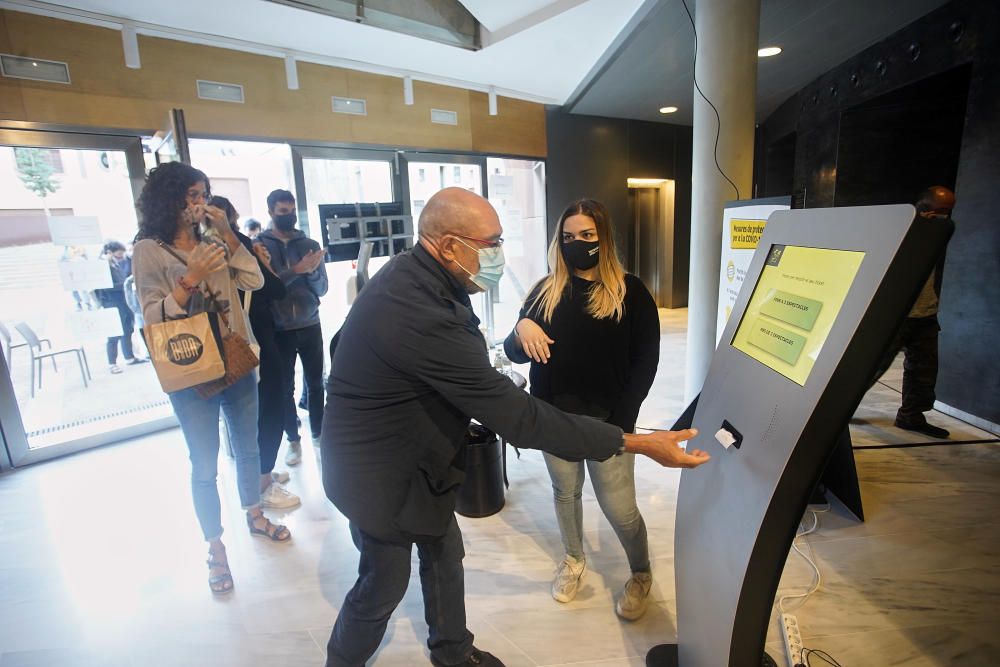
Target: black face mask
[
  {"x": 581, "y": 255},
  {"x": 285, "y": 222}
]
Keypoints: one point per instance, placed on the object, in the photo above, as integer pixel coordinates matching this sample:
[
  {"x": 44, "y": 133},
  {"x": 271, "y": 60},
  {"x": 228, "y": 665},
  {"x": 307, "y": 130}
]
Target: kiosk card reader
[{"x": 825, "y": 292}]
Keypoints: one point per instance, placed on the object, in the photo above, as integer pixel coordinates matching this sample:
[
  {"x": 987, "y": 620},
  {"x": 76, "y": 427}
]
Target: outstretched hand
[{"x": 664, "y": 448}]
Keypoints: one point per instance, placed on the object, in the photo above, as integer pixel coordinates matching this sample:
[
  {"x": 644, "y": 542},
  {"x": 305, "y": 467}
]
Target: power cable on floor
[{"x": 718, "y": 118}]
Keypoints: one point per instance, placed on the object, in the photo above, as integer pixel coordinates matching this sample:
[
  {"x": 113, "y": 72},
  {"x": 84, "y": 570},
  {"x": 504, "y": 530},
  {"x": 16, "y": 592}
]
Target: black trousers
[
  {"x": 306, "y": 344},
  {"x": 128, "y": 326},
  {"x": 917, "y": 338},
  {"x": 383, "y": 575},
  {"x": 271, "y": 399}
]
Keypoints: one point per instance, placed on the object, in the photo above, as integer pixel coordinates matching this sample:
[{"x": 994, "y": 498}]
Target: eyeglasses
[{"x": 485, "y": 244}]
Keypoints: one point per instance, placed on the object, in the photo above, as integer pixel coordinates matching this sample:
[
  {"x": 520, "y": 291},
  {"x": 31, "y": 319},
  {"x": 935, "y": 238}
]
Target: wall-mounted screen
[{"x": 794, "y": 305}]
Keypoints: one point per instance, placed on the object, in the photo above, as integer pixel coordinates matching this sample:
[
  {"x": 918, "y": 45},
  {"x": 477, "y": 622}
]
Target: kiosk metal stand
[{"x": 825, "y": 292}]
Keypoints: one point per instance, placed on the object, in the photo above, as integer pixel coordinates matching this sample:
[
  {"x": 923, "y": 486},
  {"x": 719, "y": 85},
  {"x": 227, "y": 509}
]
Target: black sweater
[{"x": 601, "y": 368}]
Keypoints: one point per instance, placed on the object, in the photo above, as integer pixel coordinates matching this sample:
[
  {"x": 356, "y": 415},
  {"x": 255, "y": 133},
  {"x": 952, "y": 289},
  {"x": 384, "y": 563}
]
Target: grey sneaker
[
  {"x": 632, "y": 604},
  {"x": 567, "y": 579},
  {"x": 294, "y": 455},
  {"x": 278, "y": 497}
]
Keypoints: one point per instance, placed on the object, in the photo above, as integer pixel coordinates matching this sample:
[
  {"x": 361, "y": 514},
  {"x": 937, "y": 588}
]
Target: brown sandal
[
  {"x": 220, "y": 584},
  {"x": 274, "y": 532}
]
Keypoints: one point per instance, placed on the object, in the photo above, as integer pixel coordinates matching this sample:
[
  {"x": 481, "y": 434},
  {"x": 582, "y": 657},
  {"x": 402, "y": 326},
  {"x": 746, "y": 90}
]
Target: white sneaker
[
  {"x": 632, "y": 604},
  {"x": 280, "y": 476},
  {"x": 278, "y": 497},
  {"x": 567, "y": 579},
  {"x": 294, "y": 455}
]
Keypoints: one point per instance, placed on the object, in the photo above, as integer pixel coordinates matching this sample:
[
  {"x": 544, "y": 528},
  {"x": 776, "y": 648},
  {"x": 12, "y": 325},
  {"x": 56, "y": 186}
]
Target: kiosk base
[{"x": 665, "y": 655}]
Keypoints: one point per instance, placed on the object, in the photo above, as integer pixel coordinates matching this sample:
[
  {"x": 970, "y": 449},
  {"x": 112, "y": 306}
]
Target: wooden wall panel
[
  {"x": 513, "y": 131},
  {"x": 105, "y": 93}
]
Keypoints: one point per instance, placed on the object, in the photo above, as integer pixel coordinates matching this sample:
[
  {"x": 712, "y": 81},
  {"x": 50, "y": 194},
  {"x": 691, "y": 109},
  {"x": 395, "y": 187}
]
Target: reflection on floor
[{"x": 101, "y": 563}]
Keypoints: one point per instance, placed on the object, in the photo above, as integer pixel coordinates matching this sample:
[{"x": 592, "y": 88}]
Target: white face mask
[{"x": 491, "y": 262}]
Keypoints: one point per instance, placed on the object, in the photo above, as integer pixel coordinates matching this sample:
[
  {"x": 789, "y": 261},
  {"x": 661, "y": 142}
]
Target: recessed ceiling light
[
  {"x": 668, "y": 109},
  {"x": 768, "y": 51}
]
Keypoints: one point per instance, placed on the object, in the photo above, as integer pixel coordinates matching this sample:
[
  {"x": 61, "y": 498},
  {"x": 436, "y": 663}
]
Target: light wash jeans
[
  {"x": 614, "y": 485},
  {"x": 199, "y": 419}
]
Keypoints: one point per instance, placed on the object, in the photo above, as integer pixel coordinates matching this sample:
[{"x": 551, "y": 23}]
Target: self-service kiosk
[{"x": 824, "y": 295}]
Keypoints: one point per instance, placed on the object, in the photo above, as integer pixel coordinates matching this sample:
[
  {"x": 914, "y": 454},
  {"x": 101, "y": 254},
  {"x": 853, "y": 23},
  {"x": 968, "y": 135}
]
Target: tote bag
[{"x": 184, "y": 352}]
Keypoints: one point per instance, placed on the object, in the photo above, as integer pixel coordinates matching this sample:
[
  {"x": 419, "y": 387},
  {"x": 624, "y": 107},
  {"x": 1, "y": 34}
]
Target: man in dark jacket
[
  {"x": 409, "y": 371},
  {"x": 298, "y": 261}
]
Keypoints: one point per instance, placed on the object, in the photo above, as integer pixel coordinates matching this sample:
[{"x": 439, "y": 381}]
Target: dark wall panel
[
  {"x": 590, "y": 156},
  {"x": 834, "y": 115}
]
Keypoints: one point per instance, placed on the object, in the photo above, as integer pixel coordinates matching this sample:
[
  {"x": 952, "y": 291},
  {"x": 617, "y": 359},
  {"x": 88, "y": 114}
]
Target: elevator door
[{"x": 644, "y": 239}]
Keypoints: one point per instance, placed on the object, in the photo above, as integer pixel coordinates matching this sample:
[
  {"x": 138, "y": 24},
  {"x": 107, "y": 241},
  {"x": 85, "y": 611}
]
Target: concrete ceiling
[
  {"x": 619, "y": 58},
  {"x": 654, "y": 67}
]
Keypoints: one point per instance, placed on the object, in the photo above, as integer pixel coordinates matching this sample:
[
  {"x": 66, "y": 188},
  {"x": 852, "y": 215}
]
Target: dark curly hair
[{"x": 163, "y": 199}]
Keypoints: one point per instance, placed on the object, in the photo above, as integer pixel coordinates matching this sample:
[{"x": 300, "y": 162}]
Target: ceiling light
[
  {"x": 768, "y": 51},
  {"x": 668, "y": 109}
]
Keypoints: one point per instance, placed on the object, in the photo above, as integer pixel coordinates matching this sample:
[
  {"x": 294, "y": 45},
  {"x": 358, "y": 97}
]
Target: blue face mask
[{"x": 491, "y": 261}]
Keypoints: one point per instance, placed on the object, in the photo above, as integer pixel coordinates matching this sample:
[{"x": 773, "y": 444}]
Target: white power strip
[{"x": 793, "y": 640}]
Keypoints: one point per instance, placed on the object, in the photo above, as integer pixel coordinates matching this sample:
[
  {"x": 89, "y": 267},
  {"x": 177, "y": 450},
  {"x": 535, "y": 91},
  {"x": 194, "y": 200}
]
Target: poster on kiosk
[
  {"x": 825, "y": 291},
  {"x": 742, "y": 225}
]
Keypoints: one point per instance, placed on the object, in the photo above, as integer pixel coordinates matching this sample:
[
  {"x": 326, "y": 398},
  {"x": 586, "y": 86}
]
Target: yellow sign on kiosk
[{"x": 794, "y": 305}]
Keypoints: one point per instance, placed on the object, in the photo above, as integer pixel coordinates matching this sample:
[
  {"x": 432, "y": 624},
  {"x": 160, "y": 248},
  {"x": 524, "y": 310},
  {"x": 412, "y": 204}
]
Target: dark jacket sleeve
[
  {"x": 452, "y": 359},
  {"x": 644, "y": 354},
  {"x": 273, "y": 287}
]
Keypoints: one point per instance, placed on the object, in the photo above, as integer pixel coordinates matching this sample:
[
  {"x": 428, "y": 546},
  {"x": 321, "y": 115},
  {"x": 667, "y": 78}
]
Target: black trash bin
[{"x": 481, "y": 494}]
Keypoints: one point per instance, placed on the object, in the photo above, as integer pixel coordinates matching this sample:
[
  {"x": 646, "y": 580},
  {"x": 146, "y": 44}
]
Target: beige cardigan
[{"x": 156, "y": 272}]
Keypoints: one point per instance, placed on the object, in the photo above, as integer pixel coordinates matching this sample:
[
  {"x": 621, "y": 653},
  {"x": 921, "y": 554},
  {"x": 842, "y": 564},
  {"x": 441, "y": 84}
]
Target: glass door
[
  {"x": 71, "y": 370},
  {"x": 363, "y": 187}
]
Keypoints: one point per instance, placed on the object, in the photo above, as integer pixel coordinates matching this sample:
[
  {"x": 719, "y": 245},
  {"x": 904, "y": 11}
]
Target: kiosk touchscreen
[{"x": 824, "y": 294}]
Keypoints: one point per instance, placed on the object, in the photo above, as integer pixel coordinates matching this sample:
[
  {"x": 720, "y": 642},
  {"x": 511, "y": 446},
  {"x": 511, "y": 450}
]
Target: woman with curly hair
[
  {"x": 592, "y": 335},
  {"x": 172, "y": 209}
]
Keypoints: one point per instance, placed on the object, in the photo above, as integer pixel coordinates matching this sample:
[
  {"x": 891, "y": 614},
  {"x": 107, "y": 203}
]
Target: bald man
[
  {"x": 918, "y": 335},
  {"x": 410, "y": 369}
]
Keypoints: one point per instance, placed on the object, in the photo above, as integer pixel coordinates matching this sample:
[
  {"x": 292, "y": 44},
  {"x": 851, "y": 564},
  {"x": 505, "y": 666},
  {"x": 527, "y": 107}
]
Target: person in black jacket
[
  {"x": 271, "y": 376},
  {"x": 114, "y": 297},
  {"x": 409, "y": 370},
  {"x": 592, "y": 335}
]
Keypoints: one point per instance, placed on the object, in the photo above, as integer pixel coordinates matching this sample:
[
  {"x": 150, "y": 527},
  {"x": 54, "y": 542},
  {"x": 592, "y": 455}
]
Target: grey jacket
[{"x": 300, "y": 307}]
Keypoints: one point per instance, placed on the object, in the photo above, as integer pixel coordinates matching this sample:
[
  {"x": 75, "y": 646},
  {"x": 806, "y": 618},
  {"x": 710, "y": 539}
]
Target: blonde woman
[{"x": 592, "y": 335}]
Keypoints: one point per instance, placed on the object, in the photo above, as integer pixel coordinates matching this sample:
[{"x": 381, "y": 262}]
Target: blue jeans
[
  {"x": 383, "y": 575},
  {"x": 199, "y": 419},
  {"x": 614, "y": 485}
]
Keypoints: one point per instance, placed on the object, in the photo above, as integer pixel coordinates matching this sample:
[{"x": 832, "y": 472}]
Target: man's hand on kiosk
[{"x": 664, "y": 448}]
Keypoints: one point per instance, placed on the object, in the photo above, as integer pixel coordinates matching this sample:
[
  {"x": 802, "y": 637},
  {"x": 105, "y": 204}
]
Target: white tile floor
[{"x": 101, "y": 562}]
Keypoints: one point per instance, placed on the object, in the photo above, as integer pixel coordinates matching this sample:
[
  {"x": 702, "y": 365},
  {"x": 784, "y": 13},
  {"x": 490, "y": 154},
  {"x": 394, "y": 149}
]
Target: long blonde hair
[{"x": 607, "y": 294}]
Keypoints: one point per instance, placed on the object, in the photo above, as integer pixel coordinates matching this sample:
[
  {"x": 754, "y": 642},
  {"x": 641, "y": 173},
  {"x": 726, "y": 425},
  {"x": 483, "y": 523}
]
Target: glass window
[{"x": 59, "y": 293}]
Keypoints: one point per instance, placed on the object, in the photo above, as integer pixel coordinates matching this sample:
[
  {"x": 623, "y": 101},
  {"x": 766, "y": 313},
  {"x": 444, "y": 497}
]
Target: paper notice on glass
[
  {"x": 94, "y": 324},
  {"x": 75, "y": 230},
  {"x": 85, "y": 274},
  {"x": 501, "y": 186}
]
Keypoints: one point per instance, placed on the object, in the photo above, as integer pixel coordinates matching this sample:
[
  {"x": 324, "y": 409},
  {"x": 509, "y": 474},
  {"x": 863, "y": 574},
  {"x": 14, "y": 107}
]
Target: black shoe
[
  {"x": 923, "y": 427},
  {"x": 476, "y": 659},
  {"x": 136, "y": 360},
  {"x": 302, "y": 404}
]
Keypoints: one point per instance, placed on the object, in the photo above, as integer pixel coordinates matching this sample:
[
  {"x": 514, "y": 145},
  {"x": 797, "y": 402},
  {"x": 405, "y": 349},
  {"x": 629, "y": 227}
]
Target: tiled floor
[{"x": 101, "y": 562}]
